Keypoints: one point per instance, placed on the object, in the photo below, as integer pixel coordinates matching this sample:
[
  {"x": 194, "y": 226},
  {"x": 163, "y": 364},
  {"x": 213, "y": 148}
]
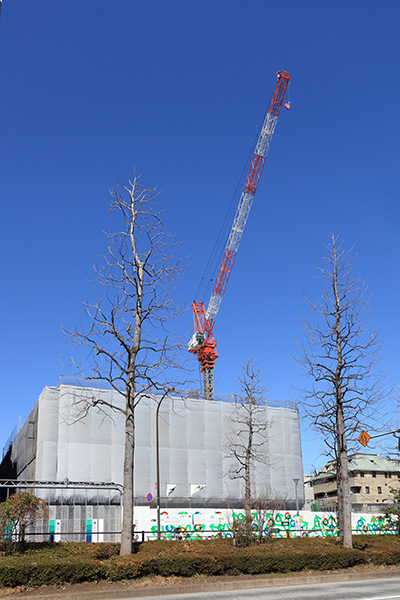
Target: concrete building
[{"x": 371, "y": 478}]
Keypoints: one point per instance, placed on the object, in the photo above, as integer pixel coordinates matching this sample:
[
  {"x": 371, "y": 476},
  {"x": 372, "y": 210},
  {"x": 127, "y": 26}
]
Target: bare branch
[
  {"x": 339, "y": 357},
  {"x": 246, "y": 439},
  {"x": 131, "y": 344}
]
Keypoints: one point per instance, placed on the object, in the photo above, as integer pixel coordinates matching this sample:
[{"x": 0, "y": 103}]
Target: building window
[
  {"x": 373, "y": 474},
  {"x": 390, "y": 476},
  {"x": 361, "y": 474},
  {"x": 366, "y": 489},
  {"x": 379, "y": 490}
]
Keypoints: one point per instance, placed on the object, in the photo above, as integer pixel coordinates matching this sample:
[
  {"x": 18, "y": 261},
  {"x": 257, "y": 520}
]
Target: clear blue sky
[{"x": 177, "y": 89}]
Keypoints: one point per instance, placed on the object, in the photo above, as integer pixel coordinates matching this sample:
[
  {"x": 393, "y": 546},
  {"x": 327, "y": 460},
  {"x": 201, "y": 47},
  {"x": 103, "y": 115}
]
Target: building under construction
[{"x": 72, "y": 450}]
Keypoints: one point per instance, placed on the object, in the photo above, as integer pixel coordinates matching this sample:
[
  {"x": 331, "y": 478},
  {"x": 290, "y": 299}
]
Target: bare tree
[
  {"x": 339, "y": 356},
  {"x": 268, "y": 502},
  {"x": 127, "y": 341},
  {"x": 246, "y": 440}
]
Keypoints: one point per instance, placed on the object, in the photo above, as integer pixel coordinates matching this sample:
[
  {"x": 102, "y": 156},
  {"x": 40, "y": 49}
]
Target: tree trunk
[
  {"x": 127, "y": 519},
  {"x": 247, "y": 500},
  {"x": 247, "y": 497},
  {"x": 343, "y": 464},
  {"x": 344, "y": 500},
  {"x": 339, "y": 488}
]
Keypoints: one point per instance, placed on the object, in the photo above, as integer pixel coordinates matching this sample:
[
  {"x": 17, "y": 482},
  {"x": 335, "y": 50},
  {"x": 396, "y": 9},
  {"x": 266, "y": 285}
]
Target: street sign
[
  {"x": 364, "y": 438},
  {"x": 149, "y": 497}
]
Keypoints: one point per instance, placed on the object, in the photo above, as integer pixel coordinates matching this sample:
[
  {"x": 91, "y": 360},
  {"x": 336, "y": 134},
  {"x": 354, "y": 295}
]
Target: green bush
[
  {"x": 220, "y": 557},
  {"x": 16, "y": 571},
  {"x": 56, "y": 563}
]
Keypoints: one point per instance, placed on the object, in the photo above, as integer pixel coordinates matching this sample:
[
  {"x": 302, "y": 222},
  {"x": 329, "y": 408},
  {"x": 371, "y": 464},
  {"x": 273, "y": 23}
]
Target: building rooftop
[
  {"x": 372, "y": 462},
  {"x": 361, "y": 462}
]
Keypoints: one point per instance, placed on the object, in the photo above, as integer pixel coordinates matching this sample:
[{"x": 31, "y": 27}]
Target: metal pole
[
  {"x": 121, "y": 510},
  {"x": 158, "y": 473},
  {"x": 371, "y": 437},
  {"x": 158, "y": 463},
  {"x": 296, "y": 481}
]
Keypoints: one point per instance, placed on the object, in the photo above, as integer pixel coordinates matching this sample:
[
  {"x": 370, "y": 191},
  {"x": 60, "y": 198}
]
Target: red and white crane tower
[{"x": 203, "y": 343}]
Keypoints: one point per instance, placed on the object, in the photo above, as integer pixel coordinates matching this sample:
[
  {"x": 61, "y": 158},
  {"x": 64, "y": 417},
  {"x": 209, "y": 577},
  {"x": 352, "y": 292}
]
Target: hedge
[
  {"x": 47, "y": 571},
  {"x": 57, "y": 563}
]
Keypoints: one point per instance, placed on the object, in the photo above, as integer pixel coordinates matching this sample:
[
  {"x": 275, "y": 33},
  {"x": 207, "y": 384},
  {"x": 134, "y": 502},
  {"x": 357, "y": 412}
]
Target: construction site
[{"x": 75, "y": 460}]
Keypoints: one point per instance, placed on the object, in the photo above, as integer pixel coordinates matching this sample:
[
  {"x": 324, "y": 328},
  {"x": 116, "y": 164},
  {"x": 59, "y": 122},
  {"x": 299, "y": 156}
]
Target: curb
[{"x": 195, "y": 588}]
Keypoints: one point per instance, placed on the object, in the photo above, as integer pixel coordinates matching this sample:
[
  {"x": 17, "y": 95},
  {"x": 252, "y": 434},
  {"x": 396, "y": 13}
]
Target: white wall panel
[{"x": 191, "y": 437}]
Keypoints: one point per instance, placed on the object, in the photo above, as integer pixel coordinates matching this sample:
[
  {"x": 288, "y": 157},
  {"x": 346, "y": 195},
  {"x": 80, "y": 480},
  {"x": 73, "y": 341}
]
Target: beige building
[
  {"x": 371, "y": 478},
  {"x": 308, "y": 493}
]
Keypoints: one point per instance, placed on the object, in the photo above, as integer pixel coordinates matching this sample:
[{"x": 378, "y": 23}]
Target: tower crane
[{"x": 203, "y": 343}]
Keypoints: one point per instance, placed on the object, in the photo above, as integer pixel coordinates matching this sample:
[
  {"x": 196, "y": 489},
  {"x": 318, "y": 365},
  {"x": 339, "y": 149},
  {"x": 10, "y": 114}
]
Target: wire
[{"x": 212, "y": 266}]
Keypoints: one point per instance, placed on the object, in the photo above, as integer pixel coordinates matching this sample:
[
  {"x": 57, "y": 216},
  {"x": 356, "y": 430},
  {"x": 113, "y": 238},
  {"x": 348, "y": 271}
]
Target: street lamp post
[
  {"x": 158, "y": 463},
  {"x": 296, "y": 481}
]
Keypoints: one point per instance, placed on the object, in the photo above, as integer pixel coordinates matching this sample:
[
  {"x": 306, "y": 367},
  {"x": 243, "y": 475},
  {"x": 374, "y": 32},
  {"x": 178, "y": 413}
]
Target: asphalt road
[{"x": 380, "y": 589}]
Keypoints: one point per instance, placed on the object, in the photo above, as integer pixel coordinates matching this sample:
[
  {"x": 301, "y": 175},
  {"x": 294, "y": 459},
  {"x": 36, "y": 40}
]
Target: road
[{"x": 378, "y": 589}]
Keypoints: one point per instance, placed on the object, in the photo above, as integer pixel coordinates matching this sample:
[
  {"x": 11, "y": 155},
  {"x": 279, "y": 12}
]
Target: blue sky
[{"x": 91, "y": 90}]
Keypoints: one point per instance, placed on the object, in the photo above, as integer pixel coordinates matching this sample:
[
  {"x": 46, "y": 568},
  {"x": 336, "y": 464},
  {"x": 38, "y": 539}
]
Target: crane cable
[{"x": 212, "y": 263}]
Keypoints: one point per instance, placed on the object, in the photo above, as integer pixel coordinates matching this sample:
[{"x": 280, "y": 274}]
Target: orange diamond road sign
[{"x": 364, "y": 438}]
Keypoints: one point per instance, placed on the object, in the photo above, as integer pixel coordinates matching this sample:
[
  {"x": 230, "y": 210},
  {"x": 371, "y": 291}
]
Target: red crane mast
[{"x": 203, "y": 343}]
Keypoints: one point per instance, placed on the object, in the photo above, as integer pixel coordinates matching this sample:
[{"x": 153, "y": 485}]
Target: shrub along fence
[{"x": 53, "y": 564}]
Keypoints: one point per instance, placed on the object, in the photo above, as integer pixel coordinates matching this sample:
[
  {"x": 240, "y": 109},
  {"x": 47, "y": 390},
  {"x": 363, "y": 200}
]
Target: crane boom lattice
[{"x": 203, "y": 343}]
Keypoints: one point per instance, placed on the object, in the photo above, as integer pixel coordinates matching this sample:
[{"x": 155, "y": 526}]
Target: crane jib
[{"x": 202, "y": 342}]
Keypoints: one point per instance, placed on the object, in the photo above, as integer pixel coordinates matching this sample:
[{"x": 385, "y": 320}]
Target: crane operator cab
[{"x": 197, "y": 341}]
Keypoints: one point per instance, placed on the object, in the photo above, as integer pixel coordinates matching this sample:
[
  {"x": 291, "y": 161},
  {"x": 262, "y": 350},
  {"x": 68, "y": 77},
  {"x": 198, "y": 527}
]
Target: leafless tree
[
  {"x": 267, "y": 503},
  {"x": 339, "y": 356},
  {"x": 246, "y": 440},
  {"x": 128, "y": 342}
]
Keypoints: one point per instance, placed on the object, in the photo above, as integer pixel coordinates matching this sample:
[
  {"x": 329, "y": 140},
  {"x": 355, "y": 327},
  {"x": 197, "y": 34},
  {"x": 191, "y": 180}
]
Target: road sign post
[{"x": 364, "y": 437}]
